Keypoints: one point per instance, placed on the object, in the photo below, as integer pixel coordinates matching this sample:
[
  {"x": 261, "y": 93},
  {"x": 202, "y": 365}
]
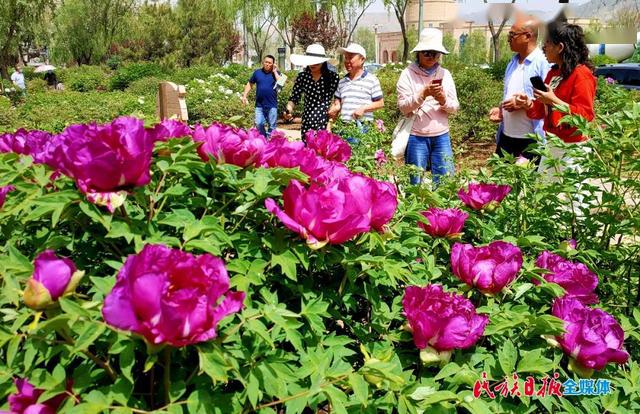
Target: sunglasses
[
  {"x": 429, "y": 53},
  {"x": 511, "y": 35}
]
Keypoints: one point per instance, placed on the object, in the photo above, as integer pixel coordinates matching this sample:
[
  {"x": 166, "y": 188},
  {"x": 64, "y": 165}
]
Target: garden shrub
[
  {"x": 37, "y": 85},
  {"x": 7, "y": 114},
  {"x": 132, "y": 72},
  {"x": 599, "y": 60},
  {"x": 145, "y": 86},
  {"x": 323, "y": 328},
  {"x": 84, "y": 78}
]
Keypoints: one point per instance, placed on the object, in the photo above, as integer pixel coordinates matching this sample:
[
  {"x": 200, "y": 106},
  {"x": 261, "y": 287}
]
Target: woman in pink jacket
[{"x": 426, "y": 89}]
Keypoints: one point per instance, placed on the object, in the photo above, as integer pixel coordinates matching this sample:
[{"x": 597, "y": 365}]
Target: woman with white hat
[
  {"x": 426, "y": 92},
  {"x": 318, "y": 84}
]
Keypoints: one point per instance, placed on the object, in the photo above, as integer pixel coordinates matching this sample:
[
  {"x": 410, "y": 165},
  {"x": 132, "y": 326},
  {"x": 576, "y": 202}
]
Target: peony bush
[{"x": 224, "y": 273}]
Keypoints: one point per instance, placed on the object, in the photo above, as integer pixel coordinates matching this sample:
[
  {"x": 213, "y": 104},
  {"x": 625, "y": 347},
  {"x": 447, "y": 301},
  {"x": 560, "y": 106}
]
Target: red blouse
[{"x": 579, "y": 91}]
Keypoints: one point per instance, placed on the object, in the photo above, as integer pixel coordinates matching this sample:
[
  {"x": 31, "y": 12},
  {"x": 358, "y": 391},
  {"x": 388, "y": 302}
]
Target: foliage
[
  {"x": 132, "y": 72},
  {"x": 317, "y": 27},
  {"x": 217, "y": 97},
  {"x": 599, "y": 60},
  {"x": 474, "y": 50},
  {"x": 85, "y": 78}
]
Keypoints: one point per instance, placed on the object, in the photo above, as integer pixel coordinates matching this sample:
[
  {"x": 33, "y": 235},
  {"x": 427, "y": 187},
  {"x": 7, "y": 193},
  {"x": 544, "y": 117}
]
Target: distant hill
[{"x": 604, "y": 9}]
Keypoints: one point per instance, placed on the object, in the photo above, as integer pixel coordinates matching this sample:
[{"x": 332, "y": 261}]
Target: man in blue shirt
[
  {"x": 266, "y": 96},
  {"x": 528, "y": 61}
]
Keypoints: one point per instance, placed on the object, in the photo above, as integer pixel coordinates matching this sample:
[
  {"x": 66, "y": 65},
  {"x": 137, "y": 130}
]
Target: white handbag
[{"x": 401, "y": 137}]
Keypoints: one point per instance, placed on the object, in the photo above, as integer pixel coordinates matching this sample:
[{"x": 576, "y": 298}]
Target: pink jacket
[{"x": 432, "y": 118}]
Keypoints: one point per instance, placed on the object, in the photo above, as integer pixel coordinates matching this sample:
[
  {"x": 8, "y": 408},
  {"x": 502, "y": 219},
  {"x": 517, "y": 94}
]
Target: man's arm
[
  {"x": 373, "y": 106},
  {"x": 334, "y": 110},
  {"x": 245, "y": 93}
]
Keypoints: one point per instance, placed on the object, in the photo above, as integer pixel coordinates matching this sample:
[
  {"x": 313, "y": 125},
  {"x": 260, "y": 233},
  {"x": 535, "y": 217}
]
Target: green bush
[
  {"x": 7, "y": 114},
  {"x": 599, "y": 60},
  {"x": 37, "y": 85},
  {"x": 132, "y": 72},
  {"x": 183, "y": 76},
  {"x": 84, "y": 78},
  {"x": 145, "y": 86},
  {"x": 497, "y": 69}
]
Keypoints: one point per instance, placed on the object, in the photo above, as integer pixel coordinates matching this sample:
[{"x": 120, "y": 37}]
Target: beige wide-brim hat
[
  {"x": 430, "y": 39},
  {"x": 313, "y": 55}
]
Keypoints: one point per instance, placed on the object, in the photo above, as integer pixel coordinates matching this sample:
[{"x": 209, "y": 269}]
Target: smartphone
[
  {"x": 437, "y": 82},
  {"x": 538, "y": 83}
]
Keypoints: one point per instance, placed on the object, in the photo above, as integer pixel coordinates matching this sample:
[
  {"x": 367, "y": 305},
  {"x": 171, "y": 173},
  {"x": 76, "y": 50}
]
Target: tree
[
  {"x": 348, "y": 13},
  {"x": 367, "y": 38},
  {"x": 317, "y": 27},
  {"x": 474, "y": 50},
  {"x": 207, "y": 31},
  {"x": 86, "y": 29},
  {"x": 284, "y": 12},
  {"x": 255, "y": 20},
  {"x": 156, "y": 31},
  {"x": 18, "y": 18},
  {"x": 505, "y": 11},
  {"x": 399, "y": 7}
]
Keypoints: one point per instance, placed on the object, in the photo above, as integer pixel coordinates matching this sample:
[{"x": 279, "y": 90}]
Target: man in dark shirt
[{"x": 266, "y": 96}]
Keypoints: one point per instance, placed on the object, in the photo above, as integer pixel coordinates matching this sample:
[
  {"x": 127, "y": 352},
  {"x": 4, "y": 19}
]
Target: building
[{"x": 441, "y": 14}]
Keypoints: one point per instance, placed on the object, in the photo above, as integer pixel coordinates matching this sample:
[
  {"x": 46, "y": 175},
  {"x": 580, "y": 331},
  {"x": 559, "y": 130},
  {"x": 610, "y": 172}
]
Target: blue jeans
[
  {"x": 266, "y": 115},
  {"x": 430, "y": 151}
]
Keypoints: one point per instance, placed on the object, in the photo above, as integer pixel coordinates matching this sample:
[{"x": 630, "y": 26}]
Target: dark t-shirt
[{"x": 266, "y": 96}]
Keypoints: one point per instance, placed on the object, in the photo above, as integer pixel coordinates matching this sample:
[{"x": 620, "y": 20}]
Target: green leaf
[
  {"x": 12, "y": 349},
  {"x": 360, "y": 388},
  {"x": 533, "y": 361},
  {"x": 507, "y": 357},
  {"x": 421, "y": 393},
  {"x": 287, "y": 262},
  {"x": 127, "y": 359},
  {"x": 72, "y": 308},
  {"x": 448, "y": 370},
  {"x": 88, "y": 336}
]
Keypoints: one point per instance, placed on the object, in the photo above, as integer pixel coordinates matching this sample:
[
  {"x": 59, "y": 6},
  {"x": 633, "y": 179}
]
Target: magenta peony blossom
[
  {"x": 380, "y": 158},
  {"x": 321, "y": 170},
  {"x": 170, "y": 296},
  {"x": 52, "y": 278},
  {"x": 489, "y": 268},
  {"x": 169, "y": 128},
  {"x": 378, "y": 200},
  {"x": 593, "y": 337},
  {"x": 328, "y": 145},
  {"x": 280, "y": 152},
  {"x": 574, "y": 277},
  {"x": 230, "y": 145},
  {"x": 25, "y": 399},
  {"x": 107, "y": 158},
  {"x": 38, "y": 144},
  {"x": 444, "y": 222},
  {"x": 4, "y": 190},
  {"x": 483, "y": 196},
  {"x": 442, "y": 320}
]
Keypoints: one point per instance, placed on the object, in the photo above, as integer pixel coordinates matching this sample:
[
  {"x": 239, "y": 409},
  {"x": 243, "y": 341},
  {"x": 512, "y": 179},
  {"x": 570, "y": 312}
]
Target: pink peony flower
[
  {"x": 4, "y": 190},
  {"x": 169, "y": 128},
  {"x": 380, "y": 158},
  {"x": 25, "y": 399},
  {"x": 107, "y": 158},
  {"x": 380, "y": 125},
  {"x": 444, "y": 222},
  {"x": 280, "y": 152},
  {"x": 328, "y": 145},
  {"x": 170, "y": 296},
  {"x": 593, "y": 338},
  {"x": 52, "y": 278},
  {"x": 574, "y": 277},
  {"x": 230, "y": 145},
  {"x": 483, "y": 196},
  {"x": 489, "y": 268},
  {"x": 442, "y": 320}
]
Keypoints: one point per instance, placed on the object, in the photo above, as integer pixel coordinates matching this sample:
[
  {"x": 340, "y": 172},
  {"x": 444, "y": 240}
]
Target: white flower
[
  {"x": 200, "y": 81},
  {"x": 221, "y": 89},
  {"x": 207, "y": 100},
  {"x": 141, "y": 100},
  {"x": 208, "y": 91},
  {"x": 228, "y": 92}
]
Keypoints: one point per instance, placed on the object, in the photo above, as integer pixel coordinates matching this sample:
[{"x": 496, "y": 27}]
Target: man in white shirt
[
  {"x": 528, "y": 61},
  {"x": 17, "y": 78}
]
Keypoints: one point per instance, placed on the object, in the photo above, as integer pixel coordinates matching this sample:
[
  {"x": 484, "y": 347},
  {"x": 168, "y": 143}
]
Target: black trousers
[{"x": 516, "y": 147}]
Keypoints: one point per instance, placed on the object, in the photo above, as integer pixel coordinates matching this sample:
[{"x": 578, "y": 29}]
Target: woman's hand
[
  {"x": 548, "y": 97},
  {"x": 432, "y": 90}
]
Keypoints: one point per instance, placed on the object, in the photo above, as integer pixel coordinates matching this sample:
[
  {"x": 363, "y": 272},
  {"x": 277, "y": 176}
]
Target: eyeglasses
[
  {"x": 511, "y": 35},
  {"x": 429, "y": 53}
]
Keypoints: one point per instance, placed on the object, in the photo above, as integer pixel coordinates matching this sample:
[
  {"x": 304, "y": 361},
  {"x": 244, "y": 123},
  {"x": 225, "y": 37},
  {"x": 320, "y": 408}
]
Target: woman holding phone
[
  {"x": 426, "y": 90},
  {"x": 570, "y": 82}
]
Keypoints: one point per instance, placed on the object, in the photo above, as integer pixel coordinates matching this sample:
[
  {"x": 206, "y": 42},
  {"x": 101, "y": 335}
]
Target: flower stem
[{"x": 167, "y": 374}]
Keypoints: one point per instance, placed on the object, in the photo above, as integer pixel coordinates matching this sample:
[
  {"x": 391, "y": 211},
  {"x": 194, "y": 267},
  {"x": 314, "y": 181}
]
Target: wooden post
[{"x": 171, "y": 102}]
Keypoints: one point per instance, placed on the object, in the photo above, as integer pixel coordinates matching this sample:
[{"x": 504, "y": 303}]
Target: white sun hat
[
  {"x": 313, "y": 55},
  {"x": 430, "y": 39},
  {"x": 354, "y": 48}
]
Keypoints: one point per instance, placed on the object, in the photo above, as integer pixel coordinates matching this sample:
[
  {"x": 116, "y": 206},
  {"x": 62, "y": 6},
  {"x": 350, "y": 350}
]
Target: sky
[{"x": 478, "y": 5}]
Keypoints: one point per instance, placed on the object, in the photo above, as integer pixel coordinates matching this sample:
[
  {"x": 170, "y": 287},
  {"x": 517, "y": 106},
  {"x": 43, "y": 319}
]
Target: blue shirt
[
  {"x": 534, "y": 65},
  {"x": 266, "y": 96}
]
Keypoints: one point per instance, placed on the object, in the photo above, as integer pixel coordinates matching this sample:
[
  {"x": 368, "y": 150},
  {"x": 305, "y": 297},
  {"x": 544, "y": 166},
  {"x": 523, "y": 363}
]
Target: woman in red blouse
[{"x": 570, "y": 82}]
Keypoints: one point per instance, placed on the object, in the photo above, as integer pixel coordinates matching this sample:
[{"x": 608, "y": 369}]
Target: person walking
[
  {"x": 318, "y": 84},
  {"x": 359, "y": 93},
  {"x": 426, "y": 90},
  {"x": 513, "y": 136},
  {"x": 265, "y": 80},
  {"x": 17, "y": 78}
]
